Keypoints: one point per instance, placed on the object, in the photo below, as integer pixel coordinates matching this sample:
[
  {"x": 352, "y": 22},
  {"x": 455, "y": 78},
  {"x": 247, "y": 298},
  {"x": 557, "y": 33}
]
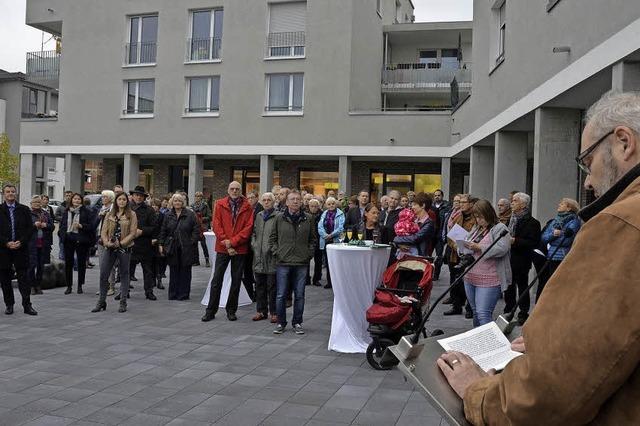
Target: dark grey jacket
[
  {"x": 293, "y": 245},
  {"x": 263, "y": 260},
  {"x": 186, "y": 233}
]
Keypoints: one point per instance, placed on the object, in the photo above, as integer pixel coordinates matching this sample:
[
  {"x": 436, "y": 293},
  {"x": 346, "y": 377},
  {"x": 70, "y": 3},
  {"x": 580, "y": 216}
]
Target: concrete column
[
  {"x": 196, "y": 167},
  {"x": 555, "y": 173},
  {"x": 445, "y": 174},
  {"x": 625, "y": 77},
  {"x": 131, "y": 172},
  {"x": 481, "y": 172},
  {"x": 27, "y": 178},
  {"x": 510, "y": 164},
  {"x": 344, "y": 174},
  {"x": 266, "y": 174},
  {"x": 73, "y": 173},
  {"x": 3, "y": 116}
]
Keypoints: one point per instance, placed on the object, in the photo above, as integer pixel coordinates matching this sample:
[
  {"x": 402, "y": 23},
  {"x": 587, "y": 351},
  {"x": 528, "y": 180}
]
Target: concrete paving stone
[
  {"x": 126, "y": 388},
  {"x": 314, "y": 422},
  {"x": 419, "y": 409},
  {"x": 310, "y": 398},
  {"x": 76, "y": 410},
  {"x": 47, "y": 405},
  {"x": 300, "y": 411},
  {"x": 245, "y": 418},
  {"x": 14, "y": 400},
  {"x": 95, "y": 384},
  {"x": 102, "y": 399},
  {"x": 143, "y": 419},
  {"x": 375, "y": 418},
  {"x": 85, "y": 423},
  {"x": 50, "y": 421},
  {"x": 259, "y": 406},
  {"x": 406, "y": 420},
  {"x": 42, "y": 390},
  {"x": 336, "y": 414},
  {"x": 179, "y": 421},
  {"x": 168, "y": 408},
  {"x": 110, "y": 415},
  {"x": 354, "y": 402},
  {"x": 255, "y": 380}
]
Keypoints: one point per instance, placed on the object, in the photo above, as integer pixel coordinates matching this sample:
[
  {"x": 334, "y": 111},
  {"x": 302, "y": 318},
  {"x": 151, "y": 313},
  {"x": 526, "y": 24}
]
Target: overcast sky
[{"x": 16, "y": 38}]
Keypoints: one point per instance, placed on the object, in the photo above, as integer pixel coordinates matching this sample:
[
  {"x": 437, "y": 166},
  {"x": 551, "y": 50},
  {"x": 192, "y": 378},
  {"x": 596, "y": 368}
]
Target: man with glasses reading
[{"x": 581, "y": 345}]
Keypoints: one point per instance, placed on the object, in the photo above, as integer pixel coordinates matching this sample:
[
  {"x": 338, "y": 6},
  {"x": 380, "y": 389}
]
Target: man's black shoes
[
  {"x": 208, "y": 316},
  {"x": 232, "y": 317},
  {"x": 9, "y": 310},
  {"x": 29, "y": 310}
]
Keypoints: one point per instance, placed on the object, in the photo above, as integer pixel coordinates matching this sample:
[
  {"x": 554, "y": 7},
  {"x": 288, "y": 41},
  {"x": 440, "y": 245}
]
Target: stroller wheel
[{"x": 375, "y": 351}]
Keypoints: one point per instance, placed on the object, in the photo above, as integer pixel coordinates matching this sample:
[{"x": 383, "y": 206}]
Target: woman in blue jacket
[
  {"x": 330, "y": 226},
  {"x": 557, "y": 237}
]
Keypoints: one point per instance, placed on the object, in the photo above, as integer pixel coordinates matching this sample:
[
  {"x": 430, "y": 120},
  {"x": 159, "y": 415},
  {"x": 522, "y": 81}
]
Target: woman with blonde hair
[
  {"x": 117, "y": 235},
  {"x": 557, "y": 238}
]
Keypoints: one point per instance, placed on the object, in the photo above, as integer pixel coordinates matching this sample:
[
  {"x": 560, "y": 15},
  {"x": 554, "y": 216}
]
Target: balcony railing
[
  {"x": 285, "y": 44},
  {"x": 44, "y": 68},
  {"x": 424, "y": 76},
  {"x": 140, "y": 53},
  {"x": 203, "y": 49}
]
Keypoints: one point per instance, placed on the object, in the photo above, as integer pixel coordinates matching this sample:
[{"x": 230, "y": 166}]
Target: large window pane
[
  {"x": 427, "y": 183},
  {"x": 131, "y": 97},
  {"x": 215, "y": 93},
  {"x": 297, "y": 91},
  {"x": 148, "y": 39},
  {"x": 145, "y": 96},
  {"x": 279, "y": 92},
  {"x": 133, "y": 40},
  {"x": 217, "y": 32},
  {"x": 318, "y": 182},
  {"x": 200, "y": 34},
  {"x": 198, "y": 94}
]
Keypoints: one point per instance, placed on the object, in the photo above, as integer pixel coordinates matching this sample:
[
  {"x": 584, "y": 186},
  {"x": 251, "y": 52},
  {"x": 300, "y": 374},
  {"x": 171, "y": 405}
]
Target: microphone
[
  {"x": 416, "y": 336},
  {"x": 505, "y": 322}
]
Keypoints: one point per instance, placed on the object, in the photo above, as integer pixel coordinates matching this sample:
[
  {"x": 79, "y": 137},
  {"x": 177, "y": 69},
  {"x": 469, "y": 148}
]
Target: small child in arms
[{"x": 406, "y": 225}]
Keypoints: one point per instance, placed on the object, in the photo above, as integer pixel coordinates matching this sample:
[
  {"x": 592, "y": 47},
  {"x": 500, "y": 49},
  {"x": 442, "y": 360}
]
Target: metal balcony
[
  {"x": 290, "y": 44},
  {"x": 140, "y": 53},
  {"x": 44, "y": 68},
  {"x": 424, "y": 77},
  {"x": 203, "y": 49}
]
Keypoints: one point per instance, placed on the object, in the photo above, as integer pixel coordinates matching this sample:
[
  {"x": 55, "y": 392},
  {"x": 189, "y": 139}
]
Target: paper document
[
  {"x": 486, "y": 345},
  {"x": 457, "y": 233}
]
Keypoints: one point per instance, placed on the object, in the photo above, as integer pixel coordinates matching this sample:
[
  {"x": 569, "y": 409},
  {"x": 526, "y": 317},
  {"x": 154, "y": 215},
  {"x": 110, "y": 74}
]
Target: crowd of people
[{"x": 269, "y": 242}]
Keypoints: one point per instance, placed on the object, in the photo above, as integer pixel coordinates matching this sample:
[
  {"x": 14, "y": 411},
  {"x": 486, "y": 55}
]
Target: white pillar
[
  {"x": 445, "y": 174},
  {"x": 555, "y": 172},
  {"x": 510, "y": 164},
  {"x": 625, "y": 76},
  {"x": 266, "y": 174},
  {"x": 73, "y": 173},
  {"x": 27, "y": 178},
  {"x": 131, "y": 172},
  {"x": 344, "y": 174},
  {"x": 481, "y": 172},
  {"x": 196, "y": 168}
]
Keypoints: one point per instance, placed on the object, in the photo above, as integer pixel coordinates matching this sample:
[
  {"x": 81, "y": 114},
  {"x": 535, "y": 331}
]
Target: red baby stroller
[{"x": 389, "y": 317}]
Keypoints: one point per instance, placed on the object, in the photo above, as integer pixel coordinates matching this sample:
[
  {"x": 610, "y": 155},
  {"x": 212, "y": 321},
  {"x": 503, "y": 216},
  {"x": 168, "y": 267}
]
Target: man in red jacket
[{"x": 233, "y": 225}]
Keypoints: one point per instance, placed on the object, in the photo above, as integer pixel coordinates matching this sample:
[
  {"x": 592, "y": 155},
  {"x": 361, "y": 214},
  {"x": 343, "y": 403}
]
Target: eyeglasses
[{"x": 580, "y": 158}]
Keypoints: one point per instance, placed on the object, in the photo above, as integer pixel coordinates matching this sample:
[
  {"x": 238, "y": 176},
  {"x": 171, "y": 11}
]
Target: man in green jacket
[{"x": 292, "y": 242}]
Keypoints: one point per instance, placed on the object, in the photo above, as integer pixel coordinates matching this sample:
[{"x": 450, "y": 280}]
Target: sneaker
[
  {"x": 298, "y": 329},
  {"x": 279, "y": 329}
]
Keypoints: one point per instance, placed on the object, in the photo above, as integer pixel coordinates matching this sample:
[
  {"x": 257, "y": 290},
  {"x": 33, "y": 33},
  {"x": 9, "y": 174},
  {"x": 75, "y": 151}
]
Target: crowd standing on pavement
[{"x": 275, "y": 244}]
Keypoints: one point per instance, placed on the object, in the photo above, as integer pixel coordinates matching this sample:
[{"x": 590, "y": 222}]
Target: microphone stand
[
  {"x": 408, "y": 346},
  {"x": 506, "y": 322}
]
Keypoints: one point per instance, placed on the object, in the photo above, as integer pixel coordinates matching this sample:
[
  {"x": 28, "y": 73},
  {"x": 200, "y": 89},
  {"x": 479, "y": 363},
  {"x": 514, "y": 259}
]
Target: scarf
[
  {"x": 515, "y": 218},
  {"x": 562, "y": 218},
  {"x": 293, "y": 217},
  {"x": 235, "y": 207},
  {"x": 73, "y": 216},
  {"x": 455, "y": 214},
  {"x": 505, "y": 217},
  {"x": 329, "y": 221},
  {"x": 266, "y": 214}
]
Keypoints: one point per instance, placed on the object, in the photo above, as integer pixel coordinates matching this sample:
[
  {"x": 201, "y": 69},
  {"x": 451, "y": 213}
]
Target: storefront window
[
  {"x": 427, "y": 183},
  {"x": 92, "y": 176},
  {"x": 318, "y": 182},
  {"x": 377, "y": 186},
  {"x": 250, "y": 179},
  {"x": 145, "y": 178}
]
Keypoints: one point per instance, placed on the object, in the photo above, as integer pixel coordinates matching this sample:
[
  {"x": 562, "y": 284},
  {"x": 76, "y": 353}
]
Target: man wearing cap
[{"x": 143, "y": 249}]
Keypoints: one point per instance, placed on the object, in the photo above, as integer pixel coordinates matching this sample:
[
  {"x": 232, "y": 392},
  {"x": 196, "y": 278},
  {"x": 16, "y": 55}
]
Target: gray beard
[{"x": 611, "y": 174}]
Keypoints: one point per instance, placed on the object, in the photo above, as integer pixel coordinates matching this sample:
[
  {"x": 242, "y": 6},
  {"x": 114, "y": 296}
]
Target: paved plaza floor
[{"x": 159, "y": 364}]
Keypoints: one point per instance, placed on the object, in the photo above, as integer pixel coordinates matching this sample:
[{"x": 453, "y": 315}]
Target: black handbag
[{"x": 170, "y": 242}]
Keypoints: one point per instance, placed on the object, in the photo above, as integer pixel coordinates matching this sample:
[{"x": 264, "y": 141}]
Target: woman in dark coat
[
  {"x": 77, "y": 235},
  {"x": 178, "y": 237},
  {"x": 40, "y": 245}
]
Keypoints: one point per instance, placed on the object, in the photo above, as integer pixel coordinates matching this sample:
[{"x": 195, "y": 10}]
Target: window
[
  {"x": 318, "y": 182},
  {"x": 429, "y": 57},
  {"x": 203, "y": 95},
  {"x": 250, "y": 179},
  {"x": 205, "y": 40},
  {"x": 287, "y": 22},
  {"x": 285, "y": 93},
  {"x": 139, "y": 97},
  {"x": 502, "y": 28},
  {"x": 143, "y": 36},
  {"x": 34, "y": 103}
]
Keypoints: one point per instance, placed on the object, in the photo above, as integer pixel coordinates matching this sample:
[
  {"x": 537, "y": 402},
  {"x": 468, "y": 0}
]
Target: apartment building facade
[
  {"x": 192, "y": 94},
  {"x": 327, "y": 94}
]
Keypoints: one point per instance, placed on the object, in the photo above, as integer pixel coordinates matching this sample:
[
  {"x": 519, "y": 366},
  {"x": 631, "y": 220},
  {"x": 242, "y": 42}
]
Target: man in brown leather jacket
[{"x": 582, "y": 343}]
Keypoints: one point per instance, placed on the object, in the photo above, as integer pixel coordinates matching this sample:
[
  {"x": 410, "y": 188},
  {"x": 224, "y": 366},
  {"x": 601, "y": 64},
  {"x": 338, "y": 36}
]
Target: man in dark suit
[
  {"x": 143, "y": 247},
  {"x": 525, "y": 237},
  {"x": 16, "y": 229},
  {"x": 355, "y": 214}
]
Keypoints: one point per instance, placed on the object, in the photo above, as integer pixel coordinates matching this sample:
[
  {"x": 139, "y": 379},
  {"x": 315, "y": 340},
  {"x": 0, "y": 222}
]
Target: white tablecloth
[
  {"x": 243, "y": 299},
  {"x": 355, "y": 274}
]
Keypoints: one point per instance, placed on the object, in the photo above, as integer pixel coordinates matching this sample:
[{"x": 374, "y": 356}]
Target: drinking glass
[
  {"x": 341, "y": 237},
  {"x": 360, "y": 235},
  {"x": 349, "y": 234}
]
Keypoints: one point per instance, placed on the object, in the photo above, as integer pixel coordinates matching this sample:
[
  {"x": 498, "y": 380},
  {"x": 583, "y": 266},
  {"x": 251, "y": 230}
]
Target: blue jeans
[
  {"x": 296, "y": 276},
  {"x": 483, "y": 301}
]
